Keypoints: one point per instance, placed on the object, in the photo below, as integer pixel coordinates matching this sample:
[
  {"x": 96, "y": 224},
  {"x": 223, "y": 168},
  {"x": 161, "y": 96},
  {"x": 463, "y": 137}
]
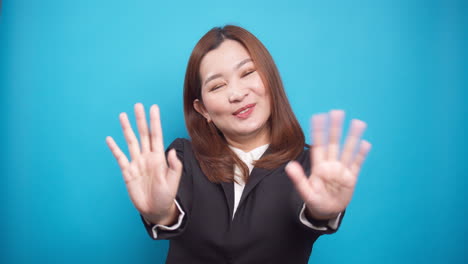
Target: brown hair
[{"x": 209, "y": 145}]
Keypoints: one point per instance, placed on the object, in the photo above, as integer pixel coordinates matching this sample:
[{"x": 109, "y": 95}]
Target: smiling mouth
[{"x": 245, "y": 111}]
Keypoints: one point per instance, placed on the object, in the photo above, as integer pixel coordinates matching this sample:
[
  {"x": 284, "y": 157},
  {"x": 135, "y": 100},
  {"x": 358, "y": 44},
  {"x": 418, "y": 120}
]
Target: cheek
[
  {"x": 259, "y": 87},
  {"x": 268, "y": 107},
  {"x": 263, "y": 93},
  {"x": 215, "y": 106}
]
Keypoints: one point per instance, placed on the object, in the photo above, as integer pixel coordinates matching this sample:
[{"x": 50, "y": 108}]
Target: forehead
[{"x": 223, "y": 58}]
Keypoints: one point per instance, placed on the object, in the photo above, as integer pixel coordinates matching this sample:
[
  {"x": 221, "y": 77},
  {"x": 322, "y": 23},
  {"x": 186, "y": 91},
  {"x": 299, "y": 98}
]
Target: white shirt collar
[{"x": 249, "y": 157}]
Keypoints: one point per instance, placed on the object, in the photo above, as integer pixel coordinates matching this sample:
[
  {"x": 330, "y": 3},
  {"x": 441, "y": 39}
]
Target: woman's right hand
[{"x": 151, "y": 183}]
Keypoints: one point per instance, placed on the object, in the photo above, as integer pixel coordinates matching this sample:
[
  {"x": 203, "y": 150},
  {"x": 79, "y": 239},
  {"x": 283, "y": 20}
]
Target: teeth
[{"x": 243, "y": 111}]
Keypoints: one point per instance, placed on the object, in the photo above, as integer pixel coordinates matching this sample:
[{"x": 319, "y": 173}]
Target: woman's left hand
[{"x": 330, "y": 186}]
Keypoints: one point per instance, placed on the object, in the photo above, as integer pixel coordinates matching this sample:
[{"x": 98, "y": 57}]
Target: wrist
[
  {"x": 166, "y": 219},
  {"x": 319, "y": 217}
]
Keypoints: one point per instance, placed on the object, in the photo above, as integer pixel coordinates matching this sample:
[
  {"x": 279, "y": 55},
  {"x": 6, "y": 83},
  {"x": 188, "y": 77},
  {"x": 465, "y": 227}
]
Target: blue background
[{"x": 68, "y": 68}]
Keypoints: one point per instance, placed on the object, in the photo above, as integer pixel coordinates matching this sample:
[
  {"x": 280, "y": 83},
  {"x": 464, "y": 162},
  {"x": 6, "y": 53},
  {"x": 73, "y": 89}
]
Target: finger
[
  {"x": 318, "y": 135},
  {"x": 130, "y": 137},
  {"x": 157, "y": 144},
  {"x": 175, "y": 169},
  {"x": 353, "y": 138},
  {"x": 142, "y": 128},
  {"x": 336, "y": 127},
  {"x": 299, "y": 179},
  {"x": 364, "y": 149},
  {"x": 118, "y": 154}
]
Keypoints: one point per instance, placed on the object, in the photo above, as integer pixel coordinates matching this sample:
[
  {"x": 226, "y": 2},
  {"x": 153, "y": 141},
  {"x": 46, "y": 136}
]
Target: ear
[{"x": 200, "y": 108}]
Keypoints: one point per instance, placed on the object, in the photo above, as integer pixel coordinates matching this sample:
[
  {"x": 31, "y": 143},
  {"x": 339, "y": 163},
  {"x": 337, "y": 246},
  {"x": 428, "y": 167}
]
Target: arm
[
  {"x": 151, "y": 178},
  {"x": 178, "y": 218},
  {"x": 328, "y": 189},
  {"x": 328, "y": 225}
]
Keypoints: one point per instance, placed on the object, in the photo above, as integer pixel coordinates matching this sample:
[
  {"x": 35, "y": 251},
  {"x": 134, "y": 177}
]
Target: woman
[{"x": 224, "y": 196}]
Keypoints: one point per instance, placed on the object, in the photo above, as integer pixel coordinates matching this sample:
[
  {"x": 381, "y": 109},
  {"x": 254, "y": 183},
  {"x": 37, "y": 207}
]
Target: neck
[{"x": 247, "y": 143}]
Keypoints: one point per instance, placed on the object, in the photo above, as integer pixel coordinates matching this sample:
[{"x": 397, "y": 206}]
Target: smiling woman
[
  {"x": 229, "y": 100},
  {"x": 230, "y": 69},
  {"x": 225, "y": 196}
]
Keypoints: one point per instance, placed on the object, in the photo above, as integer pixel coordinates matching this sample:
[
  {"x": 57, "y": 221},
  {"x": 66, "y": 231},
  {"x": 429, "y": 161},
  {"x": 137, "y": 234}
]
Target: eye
[
  {"x": 216, "y": 87},
  {"x": 247, "y": 73}
]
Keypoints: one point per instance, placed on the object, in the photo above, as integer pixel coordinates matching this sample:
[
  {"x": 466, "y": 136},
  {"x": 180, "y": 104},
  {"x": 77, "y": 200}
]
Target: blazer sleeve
[
  {"x": 183, "y": 196},
  {"x": 324, "y": 226}
]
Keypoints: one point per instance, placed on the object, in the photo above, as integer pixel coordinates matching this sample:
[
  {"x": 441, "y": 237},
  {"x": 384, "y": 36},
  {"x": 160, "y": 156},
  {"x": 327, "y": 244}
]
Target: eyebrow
[{"x": 214, "y": 76}]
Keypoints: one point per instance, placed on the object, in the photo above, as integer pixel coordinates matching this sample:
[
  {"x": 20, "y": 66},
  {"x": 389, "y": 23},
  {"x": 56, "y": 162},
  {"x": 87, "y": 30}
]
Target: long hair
[{"x": 210, "y": 147}]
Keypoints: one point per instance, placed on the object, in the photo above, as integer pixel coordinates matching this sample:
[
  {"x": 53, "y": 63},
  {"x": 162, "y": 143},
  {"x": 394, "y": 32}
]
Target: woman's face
[{"x": 234, "y": 96}]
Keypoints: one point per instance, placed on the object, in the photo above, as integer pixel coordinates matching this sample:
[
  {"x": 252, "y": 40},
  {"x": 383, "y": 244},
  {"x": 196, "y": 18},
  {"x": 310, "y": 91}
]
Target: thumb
[
  {"x": 299, "y": 179},
  {"x": 175, "y": 169}
]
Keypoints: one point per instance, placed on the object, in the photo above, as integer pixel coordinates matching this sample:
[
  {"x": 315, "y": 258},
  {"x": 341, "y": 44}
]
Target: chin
[{"x": 250, "y": 129}]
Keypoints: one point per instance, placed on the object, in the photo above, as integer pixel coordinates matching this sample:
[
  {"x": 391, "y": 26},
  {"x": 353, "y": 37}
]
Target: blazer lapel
[
  {"x": 256, "y": 176},
  {"x": 228, "y": 188}
]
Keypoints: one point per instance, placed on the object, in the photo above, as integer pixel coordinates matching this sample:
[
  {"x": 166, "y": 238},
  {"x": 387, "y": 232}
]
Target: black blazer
[{"x": 266, "y": 226}]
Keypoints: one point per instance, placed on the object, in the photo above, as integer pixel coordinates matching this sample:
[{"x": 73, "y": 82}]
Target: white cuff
[
  {"x": 164, "y": 227},
  {"x": 332, "y": 223}
]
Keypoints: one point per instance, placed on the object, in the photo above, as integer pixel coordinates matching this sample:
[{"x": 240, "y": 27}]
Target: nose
[{"x": 238, "y": 94}]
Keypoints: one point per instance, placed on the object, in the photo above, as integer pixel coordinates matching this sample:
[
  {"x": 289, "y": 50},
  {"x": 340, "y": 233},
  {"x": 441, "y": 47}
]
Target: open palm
[
  {"x": 151, "y": 183},
  {"x": 330, "y": 186}
]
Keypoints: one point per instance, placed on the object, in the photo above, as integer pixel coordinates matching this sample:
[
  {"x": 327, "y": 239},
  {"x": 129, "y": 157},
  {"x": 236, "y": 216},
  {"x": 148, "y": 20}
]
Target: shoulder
[
  {"x": 179, "y": 144},
  {"x": 183, "y": 148},
  {"x": 304, "y": 157}
]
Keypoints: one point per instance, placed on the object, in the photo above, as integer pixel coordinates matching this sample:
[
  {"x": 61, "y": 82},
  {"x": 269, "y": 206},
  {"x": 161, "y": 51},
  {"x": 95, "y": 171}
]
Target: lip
[{"x": 243, "y": 108}]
